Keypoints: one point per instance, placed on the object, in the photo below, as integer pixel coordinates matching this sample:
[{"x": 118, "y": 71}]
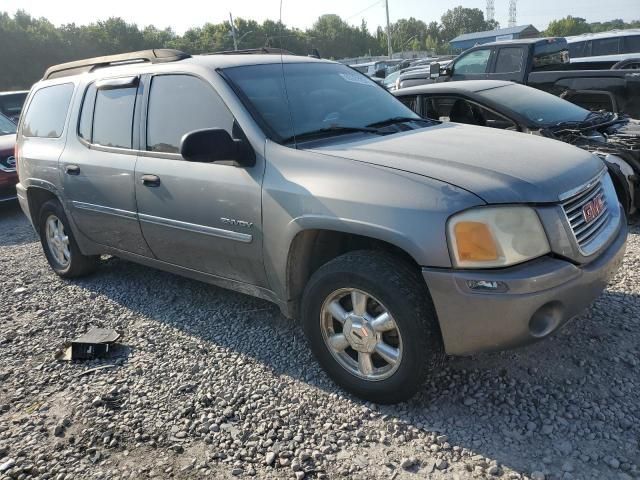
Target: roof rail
[
  {"x": 158, "y": 55},
  {"x": 254, "y": 51}
]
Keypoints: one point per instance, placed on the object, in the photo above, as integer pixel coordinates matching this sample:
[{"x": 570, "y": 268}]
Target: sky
[{"x": 302, "y": 13}]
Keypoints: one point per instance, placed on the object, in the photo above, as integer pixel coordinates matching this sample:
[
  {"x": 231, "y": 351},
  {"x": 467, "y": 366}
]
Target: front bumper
[{"x": 542, "y": 295}]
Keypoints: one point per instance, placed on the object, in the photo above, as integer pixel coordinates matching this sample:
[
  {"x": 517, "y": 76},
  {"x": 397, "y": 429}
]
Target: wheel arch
[
  {"x": 36, "y": 197},
  {"x": 311, "y": 248}
]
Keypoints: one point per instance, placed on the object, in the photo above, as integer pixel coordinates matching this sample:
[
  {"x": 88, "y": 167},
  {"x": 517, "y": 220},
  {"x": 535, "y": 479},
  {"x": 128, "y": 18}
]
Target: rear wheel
[
  {"x": 59, "y": 245},
  {"x": 370, "y": 322}
]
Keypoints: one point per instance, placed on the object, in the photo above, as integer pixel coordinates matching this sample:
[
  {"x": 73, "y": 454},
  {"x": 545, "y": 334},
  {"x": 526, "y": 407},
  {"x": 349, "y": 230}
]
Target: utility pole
[
  {"x": 233, "y": 32},
  {"x": 390, "y": 50}
]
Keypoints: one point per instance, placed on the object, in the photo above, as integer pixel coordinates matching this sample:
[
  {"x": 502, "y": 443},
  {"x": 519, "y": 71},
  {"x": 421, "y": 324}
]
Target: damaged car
[{"x": 506, "y": 105}]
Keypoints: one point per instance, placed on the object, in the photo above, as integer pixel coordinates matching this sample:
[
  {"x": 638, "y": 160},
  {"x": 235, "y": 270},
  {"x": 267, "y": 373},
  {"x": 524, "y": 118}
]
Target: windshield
[
  {"x": 541, "y": 108},
  {"x": 6, "y": 126},
  {"x": 320, "y": 96}
]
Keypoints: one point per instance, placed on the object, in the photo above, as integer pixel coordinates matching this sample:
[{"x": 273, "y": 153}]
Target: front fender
[{"x": 305, "y": 190}]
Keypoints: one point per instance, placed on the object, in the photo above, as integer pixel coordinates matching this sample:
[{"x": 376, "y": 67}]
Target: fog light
[{"x": 487, "y": 286}]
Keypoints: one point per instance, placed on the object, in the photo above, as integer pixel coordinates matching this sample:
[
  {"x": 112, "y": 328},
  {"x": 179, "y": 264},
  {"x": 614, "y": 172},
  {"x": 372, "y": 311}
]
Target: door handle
[
  {"x": 73, "y": 169},
  {"x": 150, "y": 180}
]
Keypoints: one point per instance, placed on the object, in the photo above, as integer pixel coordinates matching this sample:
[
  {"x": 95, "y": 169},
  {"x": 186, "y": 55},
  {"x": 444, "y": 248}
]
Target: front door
[
  {"x": 202, "y": 216},
  {"x": 472, "y": 65},
  {"x": 98, "y": 166}
]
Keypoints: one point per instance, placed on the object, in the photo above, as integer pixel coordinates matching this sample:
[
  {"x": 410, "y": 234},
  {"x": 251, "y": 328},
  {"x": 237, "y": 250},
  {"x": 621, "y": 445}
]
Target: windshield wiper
[
  {"x": 392, "y": 120},
  {"x": 330, "y": 132}
]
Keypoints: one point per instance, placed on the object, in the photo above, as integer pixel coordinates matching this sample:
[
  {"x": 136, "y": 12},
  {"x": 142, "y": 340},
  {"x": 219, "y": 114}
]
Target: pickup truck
[{"x": 543, "y": 63}]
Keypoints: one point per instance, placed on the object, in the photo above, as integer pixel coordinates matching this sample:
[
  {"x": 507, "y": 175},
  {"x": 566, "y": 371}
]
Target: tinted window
[
  {"x": 605, "y": 46},
  {"x": 48, "y": 111},
  {"x": 113, "y": 117},
  {"x": 509, "y": 60},
  {"x": 474, "y": 62},
  {"x": 86, "y": 116},
  {"x": 11, "y": 104},
  {"x": 6, "y": 126},
  {"x": 632, "y": 44},
  {"x": 410, "y": 101},
  {"x": 179, "y": 104},
  {"x": 578, "y": 49}
]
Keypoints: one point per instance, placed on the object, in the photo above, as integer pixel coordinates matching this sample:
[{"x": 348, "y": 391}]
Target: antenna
[
  {"x": 491, "y": 10},
  {"x": 512, "y": 13}
]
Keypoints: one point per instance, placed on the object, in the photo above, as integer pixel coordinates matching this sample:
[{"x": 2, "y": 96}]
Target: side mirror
[
  {"x": 382, "y": 73},
  {"x": 434, "y": 70},
  {"x": 216, "y": 145}
]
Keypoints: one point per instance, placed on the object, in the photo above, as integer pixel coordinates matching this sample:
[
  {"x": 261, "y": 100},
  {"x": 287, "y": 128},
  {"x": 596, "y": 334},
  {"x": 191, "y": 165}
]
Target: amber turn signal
[{"x": 474, "y": 242}]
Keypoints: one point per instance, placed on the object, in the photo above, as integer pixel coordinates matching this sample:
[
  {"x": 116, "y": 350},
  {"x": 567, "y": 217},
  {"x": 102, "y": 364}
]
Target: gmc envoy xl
[{"x": 394, "y": 239}]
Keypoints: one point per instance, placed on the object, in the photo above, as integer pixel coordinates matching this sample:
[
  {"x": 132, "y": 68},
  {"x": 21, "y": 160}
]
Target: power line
[{"x": 364, "y": 10}]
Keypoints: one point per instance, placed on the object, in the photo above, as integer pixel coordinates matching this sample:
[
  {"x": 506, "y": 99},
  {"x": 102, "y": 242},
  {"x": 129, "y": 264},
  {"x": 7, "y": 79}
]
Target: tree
[
  {"x": 567, "y": 26},
  {"x": 463, "y": 20}
]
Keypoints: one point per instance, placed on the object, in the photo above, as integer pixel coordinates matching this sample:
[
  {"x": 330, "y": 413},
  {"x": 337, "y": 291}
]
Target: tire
[
  {"x": 74, "y": 263},
  {"x": 392, "y": 286}
]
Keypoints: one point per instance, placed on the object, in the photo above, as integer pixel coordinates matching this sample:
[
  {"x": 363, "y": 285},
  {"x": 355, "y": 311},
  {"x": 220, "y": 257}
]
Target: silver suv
[{"x": 394, "y": 239}]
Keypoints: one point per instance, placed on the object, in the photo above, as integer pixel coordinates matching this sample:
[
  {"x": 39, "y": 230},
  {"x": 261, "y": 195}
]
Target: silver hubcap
[
  {"x": 58, "y": 241},
  {"x": 361, "y": 334}
]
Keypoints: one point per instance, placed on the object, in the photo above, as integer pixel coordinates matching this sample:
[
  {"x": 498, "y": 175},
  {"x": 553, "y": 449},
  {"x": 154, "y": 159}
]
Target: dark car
[
  {"x": 11, "y": 104},
  {"x": 510, "y": 106},
  {"x": 8, "y": 176}
]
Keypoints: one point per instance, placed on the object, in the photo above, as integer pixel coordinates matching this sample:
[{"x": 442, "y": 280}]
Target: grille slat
[
  {"x": 586, "y": 232},
  {"x": 577, "y": 207}
]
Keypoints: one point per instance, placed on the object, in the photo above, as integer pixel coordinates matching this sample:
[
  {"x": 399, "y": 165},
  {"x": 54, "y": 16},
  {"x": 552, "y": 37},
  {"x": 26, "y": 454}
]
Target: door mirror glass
[
  {"x": 216, "y": 145},
  {"x": 434, "y": 70}
]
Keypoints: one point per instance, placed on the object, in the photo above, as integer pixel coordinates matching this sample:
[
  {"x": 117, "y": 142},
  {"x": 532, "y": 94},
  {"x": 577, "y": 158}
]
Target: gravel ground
[{"x": 217, "y": 384}]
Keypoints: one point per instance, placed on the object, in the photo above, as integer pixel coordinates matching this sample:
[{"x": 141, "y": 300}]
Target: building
[{"x": 468, "y": 40}]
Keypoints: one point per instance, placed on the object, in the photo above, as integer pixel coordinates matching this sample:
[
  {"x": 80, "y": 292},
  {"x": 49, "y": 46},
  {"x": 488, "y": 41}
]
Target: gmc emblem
[{"x": 592, "y": 209}]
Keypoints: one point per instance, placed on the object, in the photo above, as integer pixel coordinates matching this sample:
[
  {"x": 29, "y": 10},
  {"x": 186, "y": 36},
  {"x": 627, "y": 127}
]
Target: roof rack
[
  {"x": 254, "y": 51},
  {"x": 158, "y": 55}
]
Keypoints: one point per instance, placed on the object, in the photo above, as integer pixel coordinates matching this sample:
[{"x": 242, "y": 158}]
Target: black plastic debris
[{"x": 96, "y": 343}]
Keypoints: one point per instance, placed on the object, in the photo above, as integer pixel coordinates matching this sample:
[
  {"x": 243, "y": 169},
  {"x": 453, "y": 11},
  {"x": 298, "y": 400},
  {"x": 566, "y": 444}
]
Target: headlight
[{"x": 489, "y": 237}]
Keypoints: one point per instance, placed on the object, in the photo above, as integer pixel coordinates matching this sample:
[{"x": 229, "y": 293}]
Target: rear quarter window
[{"x": 48, "y": 111}]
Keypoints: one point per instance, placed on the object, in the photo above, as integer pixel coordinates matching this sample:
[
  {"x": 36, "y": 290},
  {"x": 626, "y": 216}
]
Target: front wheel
[{"x": 371, "y": 324}]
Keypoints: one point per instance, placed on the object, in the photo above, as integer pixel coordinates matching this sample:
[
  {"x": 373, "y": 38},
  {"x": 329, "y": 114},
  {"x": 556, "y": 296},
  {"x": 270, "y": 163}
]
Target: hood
[
  {"x": 7, "y": 143},
  {"x": 497, "y": 165}
]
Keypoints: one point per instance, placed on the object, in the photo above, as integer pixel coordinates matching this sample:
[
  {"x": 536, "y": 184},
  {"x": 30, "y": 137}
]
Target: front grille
[{"x": 587, "y": 232}]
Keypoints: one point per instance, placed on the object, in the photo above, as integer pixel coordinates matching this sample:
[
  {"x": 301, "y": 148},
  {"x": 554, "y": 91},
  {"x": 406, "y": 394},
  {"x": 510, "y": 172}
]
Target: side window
[
  {"x": 180, "y": 104},
  {"x": 410, "y": 101},
  {"x": 48, "y": 111},
  {"x": 488, "y": 118},
  {"x": 605, "y": 46},
  {"x": 578, "y": 49},
  {"x": 509, "y": 60},
  {"x": 430, "y": 108},
  {"x": 474, "y": 62},
  {"x": 86, "y": 114},
  {"x": 460, "y": 110},
  {"x": 113, "y": 117},
  {"x": 632, "y": 44}
]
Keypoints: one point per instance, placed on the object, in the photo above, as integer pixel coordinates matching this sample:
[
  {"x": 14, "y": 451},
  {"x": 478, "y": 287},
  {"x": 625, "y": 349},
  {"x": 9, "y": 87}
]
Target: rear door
[
  {"x": 473, "y": 65},
  {"x": 509, "y": 63},
  {"x": 202, "y": 216},
  {"x": 98, "y": 165}
]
